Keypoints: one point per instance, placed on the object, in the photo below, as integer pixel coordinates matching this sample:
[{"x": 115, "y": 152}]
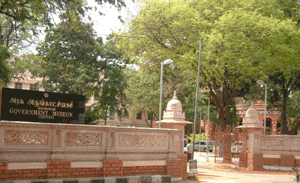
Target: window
[
  {"x": 112, "y": 115},
  {"x": 18, "y": 85},
  {"x": 34, "y": 87},
  {"x": 203, "y": 143},
  {"x": 139, "y": 115}
]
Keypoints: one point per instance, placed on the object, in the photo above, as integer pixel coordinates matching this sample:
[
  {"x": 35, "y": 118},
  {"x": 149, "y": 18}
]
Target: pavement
[{"x": 210, "y": 172}]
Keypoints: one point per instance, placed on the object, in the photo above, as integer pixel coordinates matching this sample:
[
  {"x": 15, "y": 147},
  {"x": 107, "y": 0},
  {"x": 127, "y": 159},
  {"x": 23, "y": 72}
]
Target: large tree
[
  {"x": 239, "y": 40},
  {"x": 110, "y": 94},
  {"x": 70, "y": 55},
  {"x": 284, "y": 77},
  {"x": 75, "y": 61},
  {"x": 21, "y": 21}
]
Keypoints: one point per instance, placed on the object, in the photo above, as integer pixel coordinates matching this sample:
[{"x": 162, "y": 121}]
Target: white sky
[{"x": 103, "y": 25}]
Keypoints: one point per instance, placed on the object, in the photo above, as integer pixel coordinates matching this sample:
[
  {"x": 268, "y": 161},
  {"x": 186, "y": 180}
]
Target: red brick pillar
[
  {"x": 226, "y": 148},
  {"x": 112, "y": 168},
  {"x": 3, "y": 170},
  {"x": 183, "y": 160},
  {"x": 243, "y": 156},
  {"x": 211, "y": 131},
  {"x": 58, "y": 169},
  {"x": 174, "y": 168},
  {"x": 287, "y": 160},
  {"x": 255, "y": 162}
]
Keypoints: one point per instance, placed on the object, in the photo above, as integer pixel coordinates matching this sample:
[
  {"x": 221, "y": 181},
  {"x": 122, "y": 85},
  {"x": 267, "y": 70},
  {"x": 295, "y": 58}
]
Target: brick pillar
[
  {"x": 3, "y": 170},
  {"x": 58, "y": 169},
  {"x": 174, "y": 168},
  {"x": 211, "y": 130},
  {"x": 243, "y": 155},
  {"x": 226, "y": 148},
  {"x": 287, "y": 160},
  {"x": 112, "y": 168},
  {"x": 183, "y": 160},
  {"x": 255, "y": 162}
]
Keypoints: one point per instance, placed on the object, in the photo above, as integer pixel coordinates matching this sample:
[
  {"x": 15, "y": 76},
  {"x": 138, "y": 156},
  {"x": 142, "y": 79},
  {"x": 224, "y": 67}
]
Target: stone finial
[
  {"x": 175, "y": 96},
  {"x": 251, "y": 119},
  {"x": 173, "y": 113}
]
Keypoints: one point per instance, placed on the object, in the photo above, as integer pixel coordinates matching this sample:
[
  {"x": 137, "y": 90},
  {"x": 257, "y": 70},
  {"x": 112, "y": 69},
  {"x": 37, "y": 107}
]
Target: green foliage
[
  {"x": 110, "y": 95},
  {"x": 293, "y": 112},
  {"x": 21, "y": 22},
  {"x": 4, "y": 69},
  {"x": 70, "y": 55},
  {"x": 74, "y": 61},
  {"x": 197, "y": 137},
  {"x": 143, "y": 92},
  {"x": 241, "y": 39}
]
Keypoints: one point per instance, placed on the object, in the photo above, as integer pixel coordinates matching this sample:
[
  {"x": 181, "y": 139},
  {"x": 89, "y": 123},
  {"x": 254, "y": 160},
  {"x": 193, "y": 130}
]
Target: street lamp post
[
  {"x": 200, "y": 129},
  {"x": 261, "y": 82},
  {"x": 197, "y": 92},
  {"x": 208, "y": 98},
  {"x": 166, "y": 62}
]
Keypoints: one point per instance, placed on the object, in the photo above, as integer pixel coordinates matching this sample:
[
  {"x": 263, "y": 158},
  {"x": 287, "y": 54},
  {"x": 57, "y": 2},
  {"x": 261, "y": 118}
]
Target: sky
[{"x": 103, "y": 25}]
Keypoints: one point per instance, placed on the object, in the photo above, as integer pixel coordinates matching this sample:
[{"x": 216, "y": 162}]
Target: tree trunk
[
  {"x": 284, "y": 126},
  {"x": 224, "y": 117}
]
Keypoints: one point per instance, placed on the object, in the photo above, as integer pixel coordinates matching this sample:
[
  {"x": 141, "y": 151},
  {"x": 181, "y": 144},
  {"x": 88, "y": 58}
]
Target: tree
[
  {"x": 293, "y": 113},
  {"x": 110, "y": 95},
  {"x": 239, "y": 42},
  {"x": 284, "y": 77},
  {"x": 4, "y": 69},
  {"x": 76, "y": 62},
  {"x": 143, "y": 92},
  {"x": 21, "y": 21},
  {"x": 70, "y": 55},
  {"x": 20, "y": 18}
]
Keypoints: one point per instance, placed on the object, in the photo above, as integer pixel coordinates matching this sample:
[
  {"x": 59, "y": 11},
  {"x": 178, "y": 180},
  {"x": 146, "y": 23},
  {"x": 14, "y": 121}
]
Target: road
[{"x": 210, "y": 175}]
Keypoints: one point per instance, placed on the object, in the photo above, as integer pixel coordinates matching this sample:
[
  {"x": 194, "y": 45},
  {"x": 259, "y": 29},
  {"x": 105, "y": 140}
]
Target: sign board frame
[{"x": 38, "y": 106}]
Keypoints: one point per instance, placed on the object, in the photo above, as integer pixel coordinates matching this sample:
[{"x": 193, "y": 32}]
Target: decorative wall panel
[
  {"x": 26, "y": 137},
  {"x": 142, "y": 141},
  {"x": 83, "y": 139},
  {"x": 269, "y": 143}
]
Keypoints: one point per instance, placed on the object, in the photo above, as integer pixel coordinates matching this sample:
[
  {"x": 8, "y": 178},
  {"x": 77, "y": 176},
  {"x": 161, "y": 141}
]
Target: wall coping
[{"x": 77, "y": 126}]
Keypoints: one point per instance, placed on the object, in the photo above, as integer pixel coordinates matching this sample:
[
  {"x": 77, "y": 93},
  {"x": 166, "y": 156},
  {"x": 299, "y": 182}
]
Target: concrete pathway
[{"x": 206, "y": 173}]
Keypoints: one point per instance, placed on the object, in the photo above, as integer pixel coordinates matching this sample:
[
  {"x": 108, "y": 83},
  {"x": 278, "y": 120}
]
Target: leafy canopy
[{"x": 240, "y": 38}]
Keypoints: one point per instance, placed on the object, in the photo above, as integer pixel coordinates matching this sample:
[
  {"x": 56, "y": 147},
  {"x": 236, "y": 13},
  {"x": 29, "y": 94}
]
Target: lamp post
[
  {"x": 261, "y": 82},
  {"x": 208, "y": 98},
  {"x": 197, "y": 92},
  {"x": 200, "y": 129},
  {"x": 166, "y": 62}
]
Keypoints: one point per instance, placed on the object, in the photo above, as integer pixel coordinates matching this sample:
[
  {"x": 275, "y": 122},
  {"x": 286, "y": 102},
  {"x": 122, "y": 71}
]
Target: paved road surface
[{"x": 209, "y": 175}]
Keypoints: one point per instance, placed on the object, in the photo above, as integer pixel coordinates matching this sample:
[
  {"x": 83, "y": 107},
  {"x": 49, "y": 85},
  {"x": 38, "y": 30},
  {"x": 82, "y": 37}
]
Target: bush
[{"x": 197, "y": 137}]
